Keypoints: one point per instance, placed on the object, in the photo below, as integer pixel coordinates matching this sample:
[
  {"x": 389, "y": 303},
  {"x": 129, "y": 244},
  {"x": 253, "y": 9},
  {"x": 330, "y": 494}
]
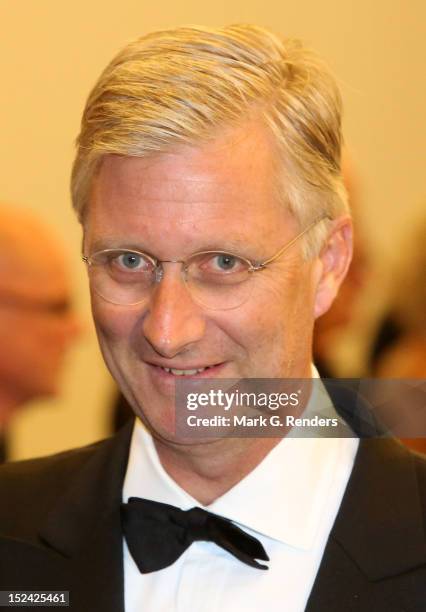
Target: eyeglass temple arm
[{"x": 262, "y": 265}]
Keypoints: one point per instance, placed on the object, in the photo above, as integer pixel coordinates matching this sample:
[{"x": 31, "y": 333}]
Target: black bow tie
[{"x": 157, "y": 534}]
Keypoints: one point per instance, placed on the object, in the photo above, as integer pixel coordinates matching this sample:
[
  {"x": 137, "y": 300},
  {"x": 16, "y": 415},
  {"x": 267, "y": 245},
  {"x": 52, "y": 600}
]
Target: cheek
[
  {"x": 280, "y": 305},
  {"x": 113, "y": 323},
  {"x": 255, "y": 327},
  {"x": 276, "y": 320}
]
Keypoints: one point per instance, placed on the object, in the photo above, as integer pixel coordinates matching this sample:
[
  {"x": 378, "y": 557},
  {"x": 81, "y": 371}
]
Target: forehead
[{"x": 226, "y": 186}]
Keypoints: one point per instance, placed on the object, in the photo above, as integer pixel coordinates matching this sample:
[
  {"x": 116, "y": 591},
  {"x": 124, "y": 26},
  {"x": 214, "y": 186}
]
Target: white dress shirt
[{"x": 289, "y": 502}]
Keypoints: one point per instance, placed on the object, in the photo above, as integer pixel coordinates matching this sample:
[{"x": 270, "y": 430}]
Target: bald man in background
[{"x": 36, "y": 321}]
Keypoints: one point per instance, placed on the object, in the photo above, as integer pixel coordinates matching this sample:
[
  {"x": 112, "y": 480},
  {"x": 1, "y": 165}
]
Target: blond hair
[{"x": 182, "y": 86}]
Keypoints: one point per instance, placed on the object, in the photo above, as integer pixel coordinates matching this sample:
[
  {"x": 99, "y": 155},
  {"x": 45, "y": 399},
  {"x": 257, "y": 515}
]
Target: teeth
[{"x": 184, "y": 372}]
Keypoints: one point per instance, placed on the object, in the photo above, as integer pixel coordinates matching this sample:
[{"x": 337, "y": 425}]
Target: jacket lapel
[
  {"x": 378, "y": 532},
  {"x": 84, "y": 528}
]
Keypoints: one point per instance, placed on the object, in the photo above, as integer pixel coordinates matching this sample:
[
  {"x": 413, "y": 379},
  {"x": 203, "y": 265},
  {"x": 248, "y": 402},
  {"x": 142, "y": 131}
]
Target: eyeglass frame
[{"x": 253, "y": 265}]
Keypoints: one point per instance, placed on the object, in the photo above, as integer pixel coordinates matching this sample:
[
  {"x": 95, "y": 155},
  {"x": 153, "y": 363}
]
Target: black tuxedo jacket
[{"x": 60, "y": 530}]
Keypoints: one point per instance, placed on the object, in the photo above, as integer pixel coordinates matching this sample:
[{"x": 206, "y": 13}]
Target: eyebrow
[{"x": 237, "y": 246}]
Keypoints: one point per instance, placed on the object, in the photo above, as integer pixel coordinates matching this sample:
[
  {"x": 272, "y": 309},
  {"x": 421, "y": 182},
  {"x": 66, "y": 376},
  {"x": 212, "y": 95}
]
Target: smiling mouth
[
  {"x": 177, "y": 372},
  {"x": 185, "y": 372}
]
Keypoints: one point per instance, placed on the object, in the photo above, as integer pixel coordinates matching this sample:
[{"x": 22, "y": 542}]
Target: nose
[{"x": 173, "y": 321}]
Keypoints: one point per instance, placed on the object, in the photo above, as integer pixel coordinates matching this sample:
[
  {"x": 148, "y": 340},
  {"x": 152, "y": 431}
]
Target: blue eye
[
  {"x": 226, "y": 262},
  {"x": 218, "y": 264},
  {"x": 130, "y": 260}
]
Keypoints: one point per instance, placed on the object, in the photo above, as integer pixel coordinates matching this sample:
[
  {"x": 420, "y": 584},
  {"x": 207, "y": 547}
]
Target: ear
[{"x": 333, "y": 263}]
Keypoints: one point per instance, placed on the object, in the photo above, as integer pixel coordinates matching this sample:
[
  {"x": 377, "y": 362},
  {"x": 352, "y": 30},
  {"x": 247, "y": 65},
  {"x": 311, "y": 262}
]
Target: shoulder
[
  {"x": 391, "y": 460},
  {"x": 387, "y": 490},
  {"x": 34, "y": 484},
  {"x": 385, "y": 496},
  {"x": 72, "y": 488},
  {"x": 35, "y": 471}
]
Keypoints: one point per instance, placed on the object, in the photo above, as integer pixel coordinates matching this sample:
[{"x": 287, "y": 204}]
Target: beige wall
[{"x": 51, "y": 53}]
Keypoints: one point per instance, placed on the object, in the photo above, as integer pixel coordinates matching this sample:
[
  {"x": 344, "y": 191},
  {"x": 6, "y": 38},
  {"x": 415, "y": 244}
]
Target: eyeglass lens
[{"x": 214, "y": 280}]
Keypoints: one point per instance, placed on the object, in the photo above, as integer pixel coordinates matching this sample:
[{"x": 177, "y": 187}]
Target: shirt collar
[{"x": 282, "y": 498}]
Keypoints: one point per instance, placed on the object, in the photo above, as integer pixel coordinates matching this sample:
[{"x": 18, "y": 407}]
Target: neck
[{"x": 207, "y": 471}]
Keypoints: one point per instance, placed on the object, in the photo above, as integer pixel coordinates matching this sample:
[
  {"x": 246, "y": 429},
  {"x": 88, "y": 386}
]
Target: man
[
  {"x": 36, "y": 322},
  {"x": 216, "y": 230}
]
